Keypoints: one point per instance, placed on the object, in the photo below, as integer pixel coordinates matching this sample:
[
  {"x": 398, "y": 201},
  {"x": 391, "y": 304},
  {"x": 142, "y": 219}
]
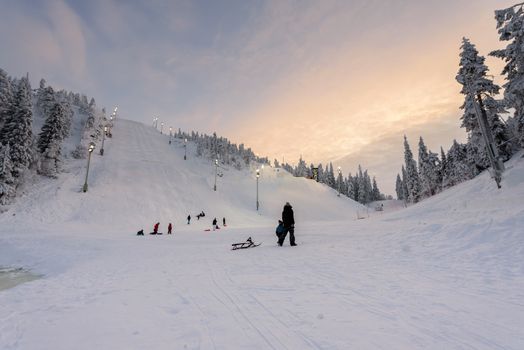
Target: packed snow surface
[{"x": 447, "y": 273}]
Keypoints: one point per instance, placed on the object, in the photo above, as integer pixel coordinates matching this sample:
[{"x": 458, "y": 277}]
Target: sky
[{"x": 328, "y": 80}]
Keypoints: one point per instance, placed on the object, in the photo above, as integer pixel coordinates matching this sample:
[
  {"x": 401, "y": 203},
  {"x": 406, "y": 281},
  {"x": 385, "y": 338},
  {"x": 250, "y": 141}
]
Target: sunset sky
[{"x": 328, "y": 80}]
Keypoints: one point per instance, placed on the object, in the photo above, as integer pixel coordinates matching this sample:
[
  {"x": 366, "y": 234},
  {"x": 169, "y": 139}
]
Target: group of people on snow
[{"x": 285, "y": 226}]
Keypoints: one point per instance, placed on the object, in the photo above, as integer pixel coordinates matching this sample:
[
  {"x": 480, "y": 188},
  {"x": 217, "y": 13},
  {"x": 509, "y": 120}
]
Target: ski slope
[{"x": 447, "y": 273}]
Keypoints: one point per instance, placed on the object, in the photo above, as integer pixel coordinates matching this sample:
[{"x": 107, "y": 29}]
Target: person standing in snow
[
  {"x": 215, "y": 224},
  {"x": 188, "y": 219},
  {"x": 223, "y": 221},
  {"x": 155, "y": 228},
  {"x": 289, "y": 225},
  {"x": 169, "y": 228}
]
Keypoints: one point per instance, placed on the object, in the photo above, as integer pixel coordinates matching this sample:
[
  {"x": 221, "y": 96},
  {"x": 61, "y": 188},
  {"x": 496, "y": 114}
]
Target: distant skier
[
  {"x": 155, "y": 228},
  {"x": 289, "y": 225},
  {"x": 215, "y": 224},
  {"x": 188, "y": 219},
  {"x": 223, "y": 221},
  {"x": 169, "y": 228}
]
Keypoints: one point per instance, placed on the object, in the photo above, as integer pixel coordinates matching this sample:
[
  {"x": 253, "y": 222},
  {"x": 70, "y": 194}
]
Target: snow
[{"x": 446, "y": 273}]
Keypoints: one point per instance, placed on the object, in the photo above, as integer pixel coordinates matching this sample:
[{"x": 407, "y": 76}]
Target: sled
[{"x": 247, "y": 244}]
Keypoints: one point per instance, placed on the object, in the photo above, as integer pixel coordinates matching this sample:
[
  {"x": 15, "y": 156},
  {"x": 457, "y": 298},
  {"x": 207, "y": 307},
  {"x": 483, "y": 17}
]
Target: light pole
[
  {"x": 339, "y": 180},
  {"x": 109, "y": 134},
  {"x": 185, "y": 153},
  {"x": 216, "y": 167},
  {"x": 103, "y": 139},
  {"x": 170, "y": 134},
  {"x": 90, "y": 150},
  {"x": 258, "y": 175},
  {"x": 161, "y": 127}
]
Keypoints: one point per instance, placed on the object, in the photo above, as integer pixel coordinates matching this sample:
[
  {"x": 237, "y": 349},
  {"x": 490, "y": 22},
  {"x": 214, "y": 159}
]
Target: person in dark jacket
[
  {"x": 155, "y": 228},
  {"x": 215, "y": 224},
  {"x": 289, "y": 225},
  {"x": 188, "y": 219},
  {"x": 169, "y": 228}
]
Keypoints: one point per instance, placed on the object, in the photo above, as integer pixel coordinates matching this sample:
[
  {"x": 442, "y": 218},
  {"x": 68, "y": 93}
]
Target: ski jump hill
[{"x": 446, "y": 273}]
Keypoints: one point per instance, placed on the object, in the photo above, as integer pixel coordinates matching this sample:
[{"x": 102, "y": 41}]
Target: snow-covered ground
[{"x": 447, "y": 273}]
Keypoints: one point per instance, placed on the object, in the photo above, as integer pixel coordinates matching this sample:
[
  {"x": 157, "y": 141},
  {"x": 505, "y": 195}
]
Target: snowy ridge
[{"x": 446, "y": 273}]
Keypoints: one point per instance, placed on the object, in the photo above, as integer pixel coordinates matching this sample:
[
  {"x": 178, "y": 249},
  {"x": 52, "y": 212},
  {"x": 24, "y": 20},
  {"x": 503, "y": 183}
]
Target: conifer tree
[
  {"x": 459, "y": 169},
  {"x": 6, "y": 97},
  {"x": 7, "y": 181},
  {"x": 510, "y": 24},
  {"x": 412, "y": 179},
  {"x": 472, "y": 75},
  {"x": 428, "y": 170},
  {"x": 17, "y": 131},
  {"x": 50, "y": 141},
  {"x": 398, "y": 188},
  {"x": 405, "y": 192}
]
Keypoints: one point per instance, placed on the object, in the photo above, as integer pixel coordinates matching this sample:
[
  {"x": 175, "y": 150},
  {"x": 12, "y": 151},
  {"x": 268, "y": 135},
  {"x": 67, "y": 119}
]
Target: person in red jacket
[
  {"x": 169, "y": 227},
  {"x": 155, "y": 228}
]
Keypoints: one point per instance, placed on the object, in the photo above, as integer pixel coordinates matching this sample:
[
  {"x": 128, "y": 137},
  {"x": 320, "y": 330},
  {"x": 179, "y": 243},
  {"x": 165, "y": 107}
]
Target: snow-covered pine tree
[
  {"x": 45, "y": 101},
  {"x": 472, "y": 75},
  {"x": 510, "y": 24},
  {"x": 405, "y": 192},
  {"x": 7, "y": 181},
  {"x": 301, "y": 169},
  {"x": 6, "y": 97},
  {"x": 330, "y": 176},
  {"x": 398, "y": 188},
  {"x": 376, "y": 195},
  {"x": 459, "y": 169},
  {"x": 412, "y": 179},
  {"x": 50, "y": 140},
  {"x": 428, "y": 170},
  {"x": 17, "y": 130},
  {"x": 444, "y": 171}
]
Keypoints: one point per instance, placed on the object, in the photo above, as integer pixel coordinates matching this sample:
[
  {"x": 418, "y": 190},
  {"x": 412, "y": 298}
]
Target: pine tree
[
  {"x": 412, "y": 179},
  {"x": 6, "y": 97},
  {"x": 472, "y": 75},
  {"x": 444, "y": 171},
  {"x": 459, "y": 169},
  {"x": 376, "y": 195},
  {"x": 428, "y": 170},
  {"x": 405, "y": 192},
  {"x": 510, "y": 24},
  {"x": 7, "y": 181},
  {"x": 17, "y": 131},
  {"x": 398, "y": 188}
]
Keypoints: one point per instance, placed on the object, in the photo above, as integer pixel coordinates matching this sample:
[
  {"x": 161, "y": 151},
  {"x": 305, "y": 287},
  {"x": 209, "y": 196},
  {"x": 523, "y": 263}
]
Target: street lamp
[
  {"x": 216, "y": 167},
  {"x": 185, "y": 150},
  {"x": 258, "y": 175},
  {"x": 161, "y": 127},
  {"x": 339, "y": 180},
  {"x": 90, "y": 149},
  {"x": 103, "y": 139},
  {"x": 170, "y": 134}
]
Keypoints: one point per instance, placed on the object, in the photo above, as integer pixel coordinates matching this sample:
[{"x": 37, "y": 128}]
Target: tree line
[
  {"x": 432, "y": 174},
  {"x": 24, "y": 150}
]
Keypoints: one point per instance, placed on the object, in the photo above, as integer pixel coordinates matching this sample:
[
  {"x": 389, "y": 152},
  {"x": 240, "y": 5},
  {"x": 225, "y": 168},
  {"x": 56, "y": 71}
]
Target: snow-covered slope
[
  {"x": 142, "y": 179},
  {"x": 447, "y": 273}
]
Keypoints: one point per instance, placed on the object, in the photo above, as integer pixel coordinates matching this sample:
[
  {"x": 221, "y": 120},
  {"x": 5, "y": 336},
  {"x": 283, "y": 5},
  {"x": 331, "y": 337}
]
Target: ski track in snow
[{"x": 447, "y": 273}]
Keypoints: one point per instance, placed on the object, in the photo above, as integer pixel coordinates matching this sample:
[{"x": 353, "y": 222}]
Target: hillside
[{"x": 446, "y": 273}]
